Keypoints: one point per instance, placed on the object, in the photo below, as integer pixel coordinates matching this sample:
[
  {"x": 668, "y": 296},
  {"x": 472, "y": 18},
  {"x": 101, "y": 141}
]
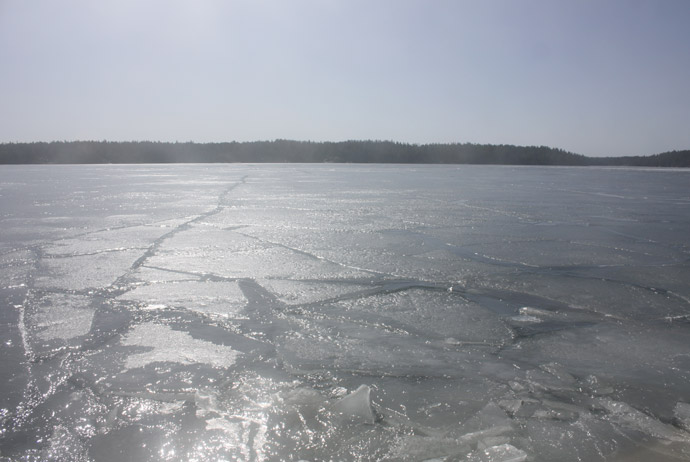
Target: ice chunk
[
  {"x": 525, "y": 318},
  {"x": 490, "y": 416},
  {"x": 534, "y": 313},
  {"x": 596, "y": 387},
  {"x": 511, "y": 406},
  {"x": 502, "y": 453},
  {"x": 492, "y": 441},
  {"x": 558, "y": 371},
  {"x": 356, "y": 406},
  {"x": 427, "y": 448},
  {"x": 630, "y": 417},
  {"x": 682, "y": 413}
]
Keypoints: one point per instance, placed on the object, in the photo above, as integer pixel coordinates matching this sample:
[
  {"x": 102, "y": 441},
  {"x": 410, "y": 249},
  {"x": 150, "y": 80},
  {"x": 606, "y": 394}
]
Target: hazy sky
[{"x": 599, "y": 77}]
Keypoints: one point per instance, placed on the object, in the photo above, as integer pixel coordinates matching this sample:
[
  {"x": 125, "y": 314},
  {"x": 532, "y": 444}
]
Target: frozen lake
[{"x": 344, "y": 312}]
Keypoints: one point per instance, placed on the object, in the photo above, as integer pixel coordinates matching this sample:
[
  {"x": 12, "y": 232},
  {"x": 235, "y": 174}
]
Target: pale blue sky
[{"x": 596, "y": 77}]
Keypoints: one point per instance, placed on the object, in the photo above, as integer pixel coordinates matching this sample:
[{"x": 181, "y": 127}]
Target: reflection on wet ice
[{"x": 241, "y": 313}]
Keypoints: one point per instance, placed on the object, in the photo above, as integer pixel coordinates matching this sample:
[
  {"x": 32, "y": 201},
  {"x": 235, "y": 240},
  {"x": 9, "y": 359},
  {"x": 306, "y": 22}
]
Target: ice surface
[
  {"x": 233, "y": 312},
  {"x": 308, "y": 292},
  {"x": 81, "y": 272},
  {"x": 438, "y": 314},
  {"x": 56, "y": 320},
  {"x": 214, "y": 298},
  {"x": 62, "y": 317},
  {"x": 682, "y": 413},
  {"x": 166, "y": 344},
  {"x": 629, "y": 416},
  {"x": 108, "y": 240},
  {"x": 502, "y": 453}
]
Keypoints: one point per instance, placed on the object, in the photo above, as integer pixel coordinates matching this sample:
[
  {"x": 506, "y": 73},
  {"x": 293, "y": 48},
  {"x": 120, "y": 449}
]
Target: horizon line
[{"x": 404, "y": 143}]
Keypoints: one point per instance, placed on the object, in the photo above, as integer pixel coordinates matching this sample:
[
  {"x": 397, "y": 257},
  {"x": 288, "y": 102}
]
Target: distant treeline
[{"x": 102, "y": 152}]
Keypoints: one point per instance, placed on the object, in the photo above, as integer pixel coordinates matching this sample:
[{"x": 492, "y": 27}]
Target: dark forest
[{"x": 279, "y": 151}]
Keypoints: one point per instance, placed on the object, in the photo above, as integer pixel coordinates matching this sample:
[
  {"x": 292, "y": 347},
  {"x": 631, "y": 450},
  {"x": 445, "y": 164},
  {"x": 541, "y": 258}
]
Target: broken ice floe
[
  {"x": 165, "y": 344},
  {"x": 213, "y": 298},
  {"x": 356, "y": 406}
]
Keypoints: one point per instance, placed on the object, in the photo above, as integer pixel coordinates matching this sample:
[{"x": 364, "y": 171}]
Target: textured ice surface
[
  {"x": 108, "y": 240},
  {"x": 214, "y": 298},
  {"x": 293, "y": 292},
  {"x": 349, "y": 312},
  {"x": 56, "y": 320},
  {"x": 682, "y": 413},
  {"x": 89, "y": 271},
  {"x": 436, "y": 314},
  {"x": 166, "y": 344},
  {"x": 501, "y": 453}
]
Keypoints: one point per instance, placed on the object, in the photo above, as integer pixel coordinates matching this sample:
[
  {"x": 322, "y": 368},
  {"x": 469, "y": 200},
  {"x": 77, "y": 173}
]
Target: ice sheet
[{"x": 349, "y": 312}]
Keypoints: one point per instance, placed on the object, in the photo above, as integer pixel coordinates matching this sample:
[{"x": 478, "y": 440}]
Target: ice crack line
[
  {"x": 316, "y": 257},
  {"x": 153, "y": 248},
  {"x": 57, "y": 256}
]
